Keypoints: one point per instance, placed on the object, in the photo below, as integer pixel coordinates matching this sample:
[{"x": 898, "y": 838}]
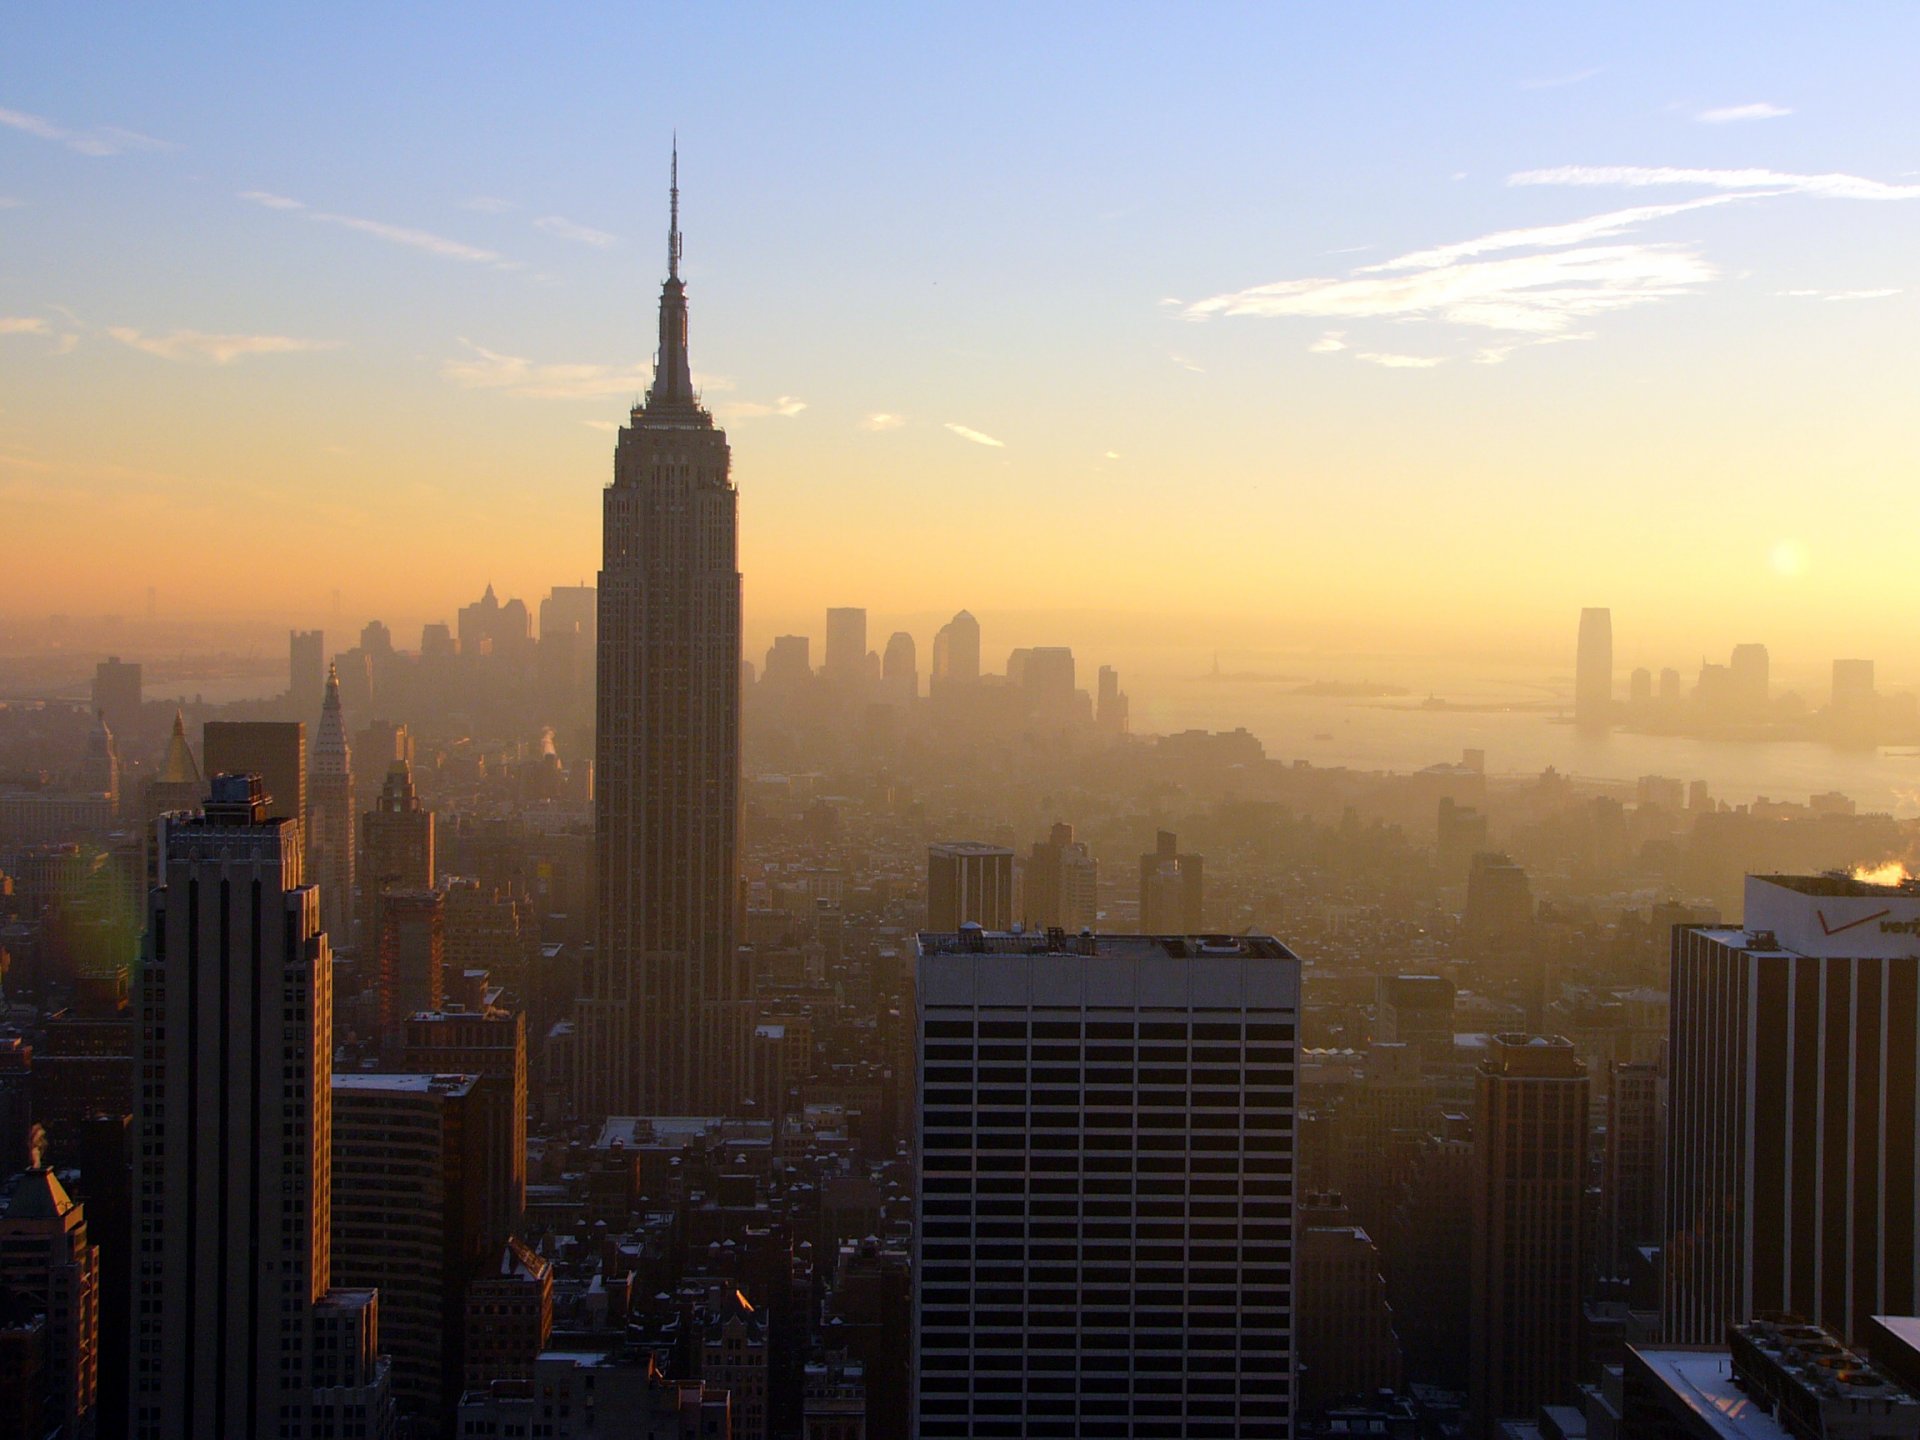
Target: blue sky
[{"x": 391, "y": 275}]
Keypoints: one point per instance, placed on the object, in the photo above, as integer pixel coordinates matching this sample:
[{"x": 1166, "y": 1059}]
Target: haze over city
[{"x": 1268, "y": 331}]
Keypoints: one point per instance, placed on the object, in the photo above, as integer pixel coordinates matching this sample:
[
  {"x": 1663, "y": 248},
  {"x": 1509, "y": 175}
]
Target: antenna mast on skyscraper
[{"x": 673, "y": 229}]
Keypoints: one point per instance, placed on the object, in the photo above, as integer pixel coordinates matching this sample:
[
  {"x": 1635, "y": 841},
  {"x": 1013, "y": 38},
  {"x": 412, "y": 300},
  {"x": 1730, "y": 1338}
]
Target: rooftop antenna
[{"x": 673, "y": 231}]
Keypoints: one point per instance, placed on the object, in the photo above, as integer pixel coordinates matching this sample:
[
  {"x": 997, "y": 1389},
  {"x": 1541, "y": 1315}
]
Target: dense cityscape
[{"x": 574, "y": 1020}]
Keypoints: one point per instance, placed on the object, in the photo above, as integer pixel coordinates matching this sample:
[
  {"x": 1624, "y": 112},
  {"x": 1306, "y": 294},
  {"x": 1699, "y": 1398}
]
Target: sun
[{"x": 1788, "y": 558}]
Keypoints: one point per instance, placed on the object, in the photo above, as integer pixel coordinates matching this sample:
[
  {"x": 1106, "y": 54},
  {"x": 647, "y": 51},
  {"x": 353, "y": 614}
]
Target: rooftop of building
[
  {"x": 1701, "y": 1379},
  {"x": 1839, "y": 885},
  {"x": 972, "y": 940},
  {"x": 968, "y": 847},
  {"x": 397, "y": 1083}
]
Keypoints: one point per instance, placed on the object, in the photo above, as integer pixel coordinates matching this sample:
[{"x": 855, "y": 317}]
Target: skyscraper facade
[
  {"x": 665, "y": 990},
  {"x": 235, "y": 1329},
  {"x": 396, "y": 847},
  {"x": 276, "y": 751},
  {"x": 1105, "y": 1167},
  {"x": 846, "y": 659},
  {"x": 969, "y": 883},
  {"x": 331, "y": 802},
  {"x": 306, "y": 669},
  {"x": 1528, "y": 1237},
  {"x": 1593, "y": 670},
  {"x": 956, "y": 652},
  {"x": 1793, "y": 1136}
]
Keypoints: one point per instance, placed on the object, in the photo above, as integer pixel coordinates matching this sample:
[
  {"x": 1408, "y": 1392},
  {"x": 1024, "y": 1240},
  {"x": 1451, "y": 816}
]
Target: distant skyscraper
[
  {"x": 117, "y": 692},
  {"x": 1792, "y": 1165},
  {"x": 306, "y": 670},
  {"x": 1105, "y": 1171},
  {"x": 100, "y": 765},
  {"x": 1640, "y": 686},
  {"x": 1635, "y": 1164},
  {"x": 956, "y": 652},
  {"x": 789, "y": 662},
  {"x": 1110, "y": 711},
  {"x": 1749, "y": 672},
  {"x": 846, "y": 658},
  {"x": 491, "y": 1044},
  {"x": 396, "y": 847},
  {"x": 1855, "y": 706},
  {"x": 1172, "y": 887},
  {"x": 235, "y": 1329},
  {"x": 276, "y": 751},
  {"x": 1593, "y": 670},
  {"x": 1528, "y": 1241},
  {"x": 411, "y": 951},
  {"x": 900, "y": 669},
  {"x": 662, "y": 1028},
  {"x": 1062, "y": 883},
  {"x": 334, "y": 818},
  {"x": 969, "y": 883},
  {"x": 491, "y": 630},
  {"x": 1669, "y": 686}
]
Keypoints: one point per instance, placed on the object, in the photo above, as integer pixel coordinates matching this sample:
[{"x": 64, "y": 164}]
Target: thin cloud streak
[
  {"x": 189, "y": 345},
  {"x": 23, "y": 325},
  {"x": 1833, "y": 186},
  {"x": 516, "y": 375},
  {"x": 1734, "y": 114},
  {"x": 1571, "y": 232},
  {"x": 1401, "y": 362},
  {"x": 880, "y": 420},
  {"x": 422, "y": 240},
  {"x": 784, "y": 407},
  {"x": 100, "y": 141},
  {"x": 564, "y": 229},
  {"x": 978, "y": 437}
]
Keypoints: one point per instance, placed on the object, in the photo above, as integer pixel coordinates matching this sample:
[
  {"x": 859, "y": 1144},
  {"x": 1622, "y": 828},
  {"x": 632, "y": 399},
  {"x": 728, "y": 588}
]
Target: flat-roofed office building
[{"x": 1105, "y": 1179}]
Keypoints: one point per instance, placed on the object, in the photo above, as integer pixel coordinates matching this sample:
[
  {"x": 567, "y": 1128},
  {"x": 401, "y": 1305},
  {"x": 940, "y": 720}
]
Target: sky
[{"x": 1381, "y": 329}]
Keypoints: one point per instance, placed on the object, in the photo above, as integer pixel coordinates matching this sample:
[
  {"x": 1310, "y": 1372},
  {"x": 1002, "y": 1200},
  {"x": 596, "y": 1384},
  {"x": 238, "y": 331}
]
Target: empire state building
[{"x": 661, "y": 1030}]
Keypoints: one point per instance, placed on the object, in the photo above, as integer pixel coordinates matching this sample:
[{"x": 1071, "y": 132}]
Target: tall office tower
[
  {"x": 490, "y": 1044},
  {"x": 1528, "y": 1244},
  {"x": 571, "y": 608},
  {"x": 900, "y": 669},
  {"x": 1110, "y": 709},
  {"x": 46, "y": 1256},
  {"x": 1062, "y": 883},
  {"x": 662, "y": 1026},
  {"x": 1630, "y": 1184},
  {"x": 956, "y": 652},
  {"x": 412, "y": 948},
  {"x": 117, "y": 692},
  {"x": 846, "y": 658},
  {"x": 233, "y": 1151},
  {"x": 100, "y": 764},
  {"x": 408, "y": 1221},
  {"x": 1749, "y": 677},
  {"x": 1104, "y": 1165},
  {"x": 306, "y": 670},
  {"x": 396, "y": 846},
  {"x": 331, "y": 797},
  {"x": 1792, "y": 1181},
  {"x": 1669, "y": 686},
  {"x": 1855, "y": 706},
  {"x": 276, "y": 751},
  {"x": 1172, "y": 886},
  {"x": 1640, "y": 687},
  {"x": 568, "y": 623},
  {"x": 1593, "y": 670},
  {"x": 969, "y": 883},
  {"x": 789, "y": 663}
]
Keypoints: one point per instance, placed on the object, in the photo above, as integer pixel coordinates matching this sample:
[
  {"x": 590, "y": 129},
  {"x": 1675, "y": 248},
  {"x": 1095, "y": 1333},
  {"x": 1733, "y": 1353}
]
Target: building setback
[{"x": 1104, "y": 1168}]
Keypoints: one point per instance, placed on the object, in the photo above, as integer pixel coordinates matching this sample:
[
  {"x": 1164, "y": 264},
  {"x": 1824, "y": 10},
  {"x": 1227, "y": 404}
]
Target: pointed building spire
[
  {"x": 673, "y": 224},
  {"x": 672, "y": 371}
]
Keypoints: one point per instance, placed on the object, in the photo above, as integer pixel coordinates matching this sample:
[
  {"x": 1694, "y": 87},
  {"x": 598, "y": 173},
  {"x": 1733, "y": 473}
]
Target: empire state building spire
[{"x": 672, "y": 372}]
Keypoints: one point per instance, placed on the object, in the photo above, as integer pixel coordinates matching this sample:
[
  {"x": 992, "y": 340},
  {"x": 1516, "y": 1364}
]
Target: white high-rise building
[
  {"x": 236, "y": 1330},
  {"x": 1105, "y": 1167}
]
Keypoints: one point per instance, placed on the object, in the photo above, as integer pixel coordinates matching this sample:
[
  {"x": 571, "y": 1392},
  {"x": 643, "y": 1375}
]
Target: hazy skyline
[{"x": 1371, "y": 330}]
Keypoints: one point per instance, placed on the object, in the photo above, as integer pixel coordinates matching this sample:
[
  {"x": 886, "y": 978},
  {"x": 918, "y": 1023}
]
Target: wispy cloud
[
  {"x": 1733, "y": 114},
  {"x": 1555, "y": 82},
  {"x": 785, "y": 407},
  {"x": 422, "y": 240},
  {"x": 1840, "y": 294},
  {"x": 1401, "y": 362},
  {"x": 1111, "y": 455},
  {"x": 488, "y": 369},
  {"x": 1546, "y": 237},
  {"x": 978, "y": 437},
  {"x": 23, "y": 325},
  {"x": 881, "y": 420},
  {"x": 1182, "y": 361},
  {"x": 1329, "y": 342},
  {"x": 198, "y": 345},
  {"x": 562, "y": 228},
  {"x": 1833, "y": 186},
  {"x": 608, "y": 425},
  {"x": 1543, "y": 293},
  {"x": 99, "y": 141}
]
